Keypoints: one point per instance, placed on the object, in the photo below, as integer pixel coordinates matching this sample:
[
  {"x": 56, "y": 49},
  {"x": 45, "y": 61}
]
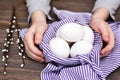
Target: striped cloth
[{"x": 82, "y": 67}]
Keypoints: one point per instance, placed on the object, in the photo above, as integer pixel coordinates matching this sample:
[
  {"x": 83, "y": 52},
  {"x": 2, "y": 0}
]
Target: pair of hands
[{"x": 38, "y": 27}]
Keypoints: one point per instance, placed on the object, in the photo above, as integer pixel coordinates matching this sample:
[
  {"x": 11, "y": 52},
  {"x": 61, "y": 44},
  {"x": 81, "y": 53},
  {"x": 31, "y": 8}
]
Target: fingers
[
  {"x": 110, "y": 44},
  {"x": 34, "y": 55},
  {"x": 39, "y": 33},
  {"x": 31, "y": 47},
  {"x": 31, "y": 50},
  {"x": 103, "y": 28},
  {"x": 105, "y": 32},
  {"x": 35, "y": 34}
]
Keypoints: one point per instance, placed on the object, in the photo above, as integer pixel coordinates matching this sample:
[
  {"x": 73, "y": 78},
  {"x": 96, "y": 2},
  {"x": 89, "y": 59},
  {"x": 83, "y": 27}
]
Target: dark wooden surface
[{"x": 32, "y": 69}]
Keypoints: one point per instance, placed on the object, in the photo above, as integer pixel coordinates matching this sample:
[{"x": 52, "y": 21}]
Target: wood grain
[{"x": 32, "y": 69}]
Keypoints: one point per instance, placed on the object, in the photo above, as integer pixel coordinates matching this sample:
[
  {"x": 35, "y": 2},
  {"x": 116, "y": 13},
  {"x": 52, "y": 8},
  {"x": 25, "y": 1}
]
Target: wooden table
[{"x": 32, "y": 69}]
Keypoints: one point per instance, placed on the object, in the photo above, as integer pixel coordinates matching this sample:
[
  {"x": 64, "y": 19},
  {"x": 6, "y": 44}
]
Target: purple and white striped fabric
[{"x": 82, "y": 67}]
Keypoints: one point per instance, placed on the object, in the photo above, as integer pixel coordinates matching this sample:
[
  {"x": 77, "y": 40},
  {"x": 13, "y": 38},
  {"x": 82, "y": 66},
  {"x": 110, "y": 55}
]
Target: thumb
[
  {"x": 105, "y": 33},
  {"x": 38, "y": 36},
  {"x": 105, "y": 37}
]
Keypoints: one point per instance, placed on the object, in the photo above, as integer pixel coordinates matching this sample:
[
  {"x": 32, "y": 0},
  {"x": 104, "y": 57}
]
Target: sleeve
[
  {"x": 43, "y": 5},
  {"x": 110, "y": 5}
]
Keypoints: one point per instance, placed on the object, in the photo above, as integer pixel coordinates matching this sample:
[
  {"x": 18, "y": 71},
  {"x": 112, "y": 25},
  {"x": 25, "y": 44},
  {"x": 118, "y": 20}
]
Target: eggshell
[
  {"x": 59, "y": 47},
  {"x": 58, "y": 35},
  {"x": 89, "y": 35},
  {"x": 71, "y": 32},
  {"x": 80, "y": 47}
]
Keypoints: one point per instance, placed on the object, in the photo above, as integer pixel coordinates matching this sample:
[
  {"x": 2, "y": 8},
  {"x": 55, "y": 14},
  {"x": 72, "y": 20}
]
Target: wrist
[
  {"x": 38, "y": 17},
  {"x": 95, "y": 22},
  {"x": 96, "y": 19},
  {"x": 100, "y": 13}
]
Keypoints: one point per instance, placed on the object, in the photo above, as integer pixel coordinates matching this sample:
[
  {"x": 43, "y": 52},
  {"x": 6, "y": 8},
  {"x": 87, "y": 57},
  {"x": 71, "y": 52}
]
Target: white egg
[
  {"x": 80, "y": 47},
  {"x": 71, "y": 32},
  {"x": 59, "y": 47},
  {"x": 89, "y": 35}
]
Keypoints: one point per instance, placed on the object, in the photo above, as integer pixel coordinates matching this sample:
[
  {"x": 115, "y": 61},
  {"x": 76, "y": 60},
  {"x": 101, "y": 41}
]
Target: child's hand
[
  {"x": 35, "y": 35},
  {"x": 104, "y": 29}
]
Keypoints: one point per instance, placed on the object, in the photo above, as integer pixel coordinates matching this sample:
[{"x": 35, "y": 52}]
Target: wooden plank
[
  {"x": 20, "y": 74},
  {"x": 32, "y": 69},
  {"x": 6, "y": 5},
  {"x": 5, "y": 17},
  {"x": 5, "y": 12},
  {"x": 22, "y": 18}
]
